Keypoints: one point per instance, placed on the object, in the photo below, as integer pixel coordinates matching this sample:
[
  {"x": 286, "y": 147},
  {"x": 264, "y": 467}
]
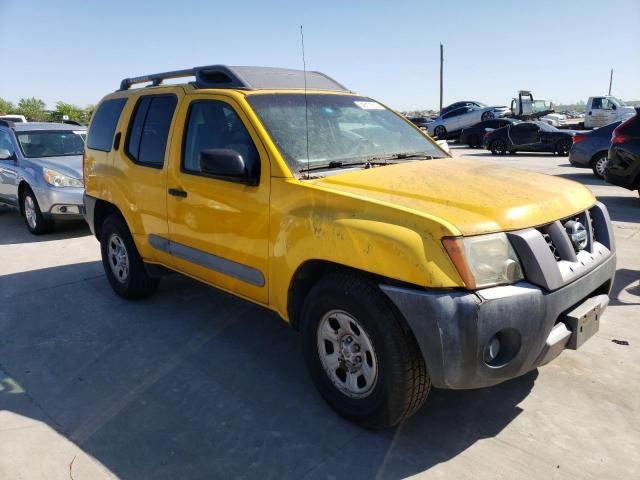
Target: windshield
[
  {"x": 39, "y": 144},
  {"x": 618, "y": 101},
  {"x": 341, "y": 129},
  {"x": 546, "y": 127}
]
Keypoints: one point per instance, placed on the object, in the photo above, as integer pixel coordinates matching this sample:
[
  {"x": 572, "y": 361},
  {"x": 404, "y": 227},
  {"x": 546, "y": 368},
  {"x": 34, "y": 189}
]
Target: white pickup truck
[{"x": 604, "y": 110}]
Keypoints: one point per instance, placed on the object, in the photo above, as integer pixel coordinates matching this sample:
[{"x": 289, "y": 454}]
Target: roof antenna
[{"x": 306, "y": 104}]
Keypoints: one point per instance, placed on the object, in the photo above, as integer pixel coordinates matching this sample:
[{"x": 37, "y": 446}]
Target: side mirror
[
  {"x": 225, "y": 164},
  {"x": 5, "y": 154},
  {"x": 614, "y": 106}
]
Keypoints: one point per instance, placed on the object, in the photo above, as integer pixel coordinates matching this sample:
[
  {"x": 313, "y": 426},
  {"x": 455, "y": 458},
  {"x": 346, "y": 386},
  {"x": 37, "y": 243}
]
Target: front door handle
[{"x": 176, "y": 192}]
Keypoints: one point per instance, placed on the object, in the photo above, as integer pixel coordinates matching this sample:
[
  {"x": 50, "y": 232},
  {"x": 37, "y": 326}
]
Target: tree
[
  {"x": 33, "y": 109},
  {"x": 72, "y": 112},
  {"x": 6, "y": 107}
]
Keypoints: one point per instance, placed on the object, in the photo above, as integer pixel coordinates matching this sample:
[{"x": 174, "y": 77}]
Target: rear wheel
[
  {"x": 598, "y": 163},
  {"x": 440, "y": 131},
  {"x": 35, "y": 220},
  {"x": 122, "y": 262},
  {"x": 487, "y": 116},
  {"x": 498, "y": 147},
  {"x": 563, "y": 147},
  {"x": 361, "y": 355}
]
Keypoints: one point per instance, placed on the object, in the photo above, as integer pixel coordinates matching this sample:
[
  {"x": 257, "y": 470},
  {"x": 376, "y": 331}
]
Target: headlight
[
  {"x": 485, "y": 260},
  {"x": 57, "y": 179}
]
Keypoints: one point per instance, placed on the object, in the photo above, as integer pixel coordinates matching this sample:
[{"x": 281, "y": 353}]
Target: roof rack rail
[
  {"x": 211, "y": 76},
  {"x": 72, "y": 122},
  {"x": 243, "y": 78},
  {"x": 7, "y": 123}
]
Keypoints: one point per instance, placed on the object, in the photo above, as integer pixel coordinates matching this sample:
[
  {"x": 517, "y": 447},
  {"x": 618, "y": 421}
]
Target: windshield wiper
[{"x": 368, "y": 162}]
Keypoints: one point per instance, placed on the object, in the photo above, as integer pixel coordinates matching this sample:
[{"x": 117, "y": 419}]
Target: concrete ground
[{"x": 193, "y": 383}]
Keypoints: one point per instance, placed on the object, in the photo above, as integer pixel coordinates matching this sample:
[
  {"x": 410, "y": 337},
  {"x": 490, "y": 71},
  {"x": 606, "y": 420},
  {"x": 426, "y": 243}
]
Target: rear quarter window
[{"x": 104, "y": 124}]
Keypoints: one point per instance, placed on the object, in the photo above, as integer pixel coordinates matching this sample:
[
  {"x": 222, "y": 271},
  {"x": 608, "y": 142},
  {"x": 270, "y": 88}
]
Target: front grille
[
  {"x": 552, "y": 247},
  {"x": 560, "y": 241}
]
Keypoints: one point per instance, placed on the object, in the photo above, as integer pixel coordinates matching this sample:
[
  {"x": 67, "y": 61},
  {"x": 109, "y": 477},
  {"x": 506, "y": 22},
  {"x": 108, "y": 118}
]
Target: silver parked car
[
  {"x": 41, "y": 171},
  {"x": 453, "y": 121}
]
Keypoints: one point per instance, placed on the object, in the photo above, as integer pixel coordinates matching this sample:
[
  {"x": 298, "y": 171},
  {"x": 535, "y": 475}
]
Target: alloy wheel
[{"x": 30, "y": 213}]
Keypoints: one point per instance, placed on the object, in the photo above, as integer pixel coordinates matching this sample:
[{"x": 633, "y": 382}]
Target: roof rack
[
  {"x": 7, "y": 123},
  {"x": 72, "y": 122},
  {"x": 243, "y": 78}
]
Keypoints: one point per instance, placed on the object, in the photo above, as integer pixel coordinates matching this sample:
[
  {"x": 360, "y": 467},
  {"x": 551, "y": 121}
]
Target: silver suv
[{"x": 41, "y": 171}]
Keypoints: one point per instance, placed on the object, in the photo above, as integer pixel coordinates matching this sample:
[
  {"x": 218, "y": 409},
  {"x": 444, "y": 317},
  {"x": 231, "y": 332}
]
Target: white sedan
[{"x": 464, "y": 117}]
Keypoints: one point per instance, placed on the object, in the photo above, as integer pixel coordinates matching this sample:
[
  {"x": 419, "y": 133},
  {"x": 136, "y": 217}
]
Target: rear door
[{"x": 143, "y": 164}]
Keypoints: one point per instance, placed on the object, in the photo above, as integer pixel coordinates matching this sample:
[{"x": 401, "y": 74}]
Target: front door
[
  {"x": 219, "y": 229},
  {"x": 524, "y": 135}
]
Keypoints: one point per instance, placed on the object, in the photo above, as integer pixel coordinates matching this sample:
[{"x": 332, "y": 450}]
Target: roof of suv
[{"x": 244, "y": 78}]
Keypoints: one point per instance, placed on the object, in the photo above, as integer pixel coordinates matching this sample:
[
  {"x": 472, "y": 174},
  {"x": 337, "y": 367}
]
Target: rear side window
[
  {"x": 104, "y": 124},
  {"x": 149, "y": 129}
]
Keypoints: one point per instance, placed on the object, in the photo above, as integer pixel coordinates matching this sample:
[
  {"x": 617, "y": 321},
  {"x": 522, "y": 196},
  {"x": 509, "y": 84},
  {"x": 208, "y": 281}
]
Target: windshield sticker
[
  {"x": 369, "y": 105},
  {"x": 79, "y": 132}
]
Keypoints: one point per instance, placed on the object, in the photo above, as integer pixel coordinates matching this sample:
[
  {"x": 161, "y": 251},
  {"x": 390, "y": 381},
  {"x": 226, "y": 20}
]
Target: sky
[{"x": 78, "y": 51}]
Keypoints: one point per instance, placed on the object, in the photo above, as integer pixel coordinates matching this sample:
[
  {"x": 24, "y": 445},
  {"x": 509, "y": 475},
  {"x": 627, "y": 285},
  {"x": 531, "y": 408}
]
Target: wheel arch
[
  {"x": 102, "y": 210},
  {"x": 22, "y": 187},
  {"x": 595, "y": 156}
]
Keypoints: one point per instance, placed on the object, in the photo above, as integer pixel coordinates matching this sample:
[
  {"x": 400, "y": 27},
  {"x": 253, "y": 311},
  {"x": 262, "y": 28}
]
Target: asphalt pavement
[{"x": 195, "y": 384}]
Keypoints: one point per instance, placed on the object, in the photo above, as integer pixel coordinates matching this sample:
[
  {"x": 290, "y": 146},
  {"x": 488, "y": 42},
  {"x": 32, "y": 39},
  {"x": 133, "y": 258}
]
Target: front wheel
[
  {"x": 563, "y": 147},
  {"x": 474, "y": 141},
  {"x": 598, "y": 164},
  {"x": 440, "y": 131},
  {"x": 122, "y": 263},
  {"x": 33, "y": 217},
  {"x": 361, "y": 355}
]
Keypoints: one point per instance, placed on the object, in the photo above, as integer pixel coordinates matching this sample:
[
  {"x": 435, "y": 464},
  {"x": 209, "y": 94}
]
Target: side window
[
  {"x": 149, "y": 130},
  {"x": 606, "y": 104},
  {"x": 214, "y": 124},
  {"x": 104, "y": 124},
  {"x": 596, "y": 103}
]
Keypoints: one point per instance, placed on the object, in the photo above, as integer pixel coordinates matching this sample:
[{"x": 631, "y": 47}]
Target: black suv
[{"x": 623, "y": 167}]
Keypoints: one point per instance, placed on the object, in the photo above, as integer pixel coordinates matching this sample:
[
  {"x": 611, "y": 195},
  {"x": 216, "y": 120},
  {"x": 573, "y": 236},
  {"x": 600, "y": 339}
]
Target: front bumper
[
  {"x": 61, "y": 203},
  {"x": 558, "y": 306},
  {"x": 453, "y": 327}
]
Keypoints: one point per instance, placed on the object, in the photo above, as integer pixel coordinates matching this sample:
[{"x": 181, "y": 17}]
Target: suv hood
[
  {"x": 472, "y": 196},
  {"x": 70, "y": 165}
]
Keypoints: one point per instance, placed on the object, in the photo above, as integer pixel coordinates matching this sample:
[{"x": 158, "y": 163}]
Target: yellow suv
[{"x": 402, "y": 267}]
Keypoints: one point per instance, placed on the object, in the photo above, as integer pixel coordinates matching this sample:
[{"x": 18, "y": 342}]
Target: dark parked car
[
  {"x": 528, "y": 137},
  {"x": 472, "y": 136},
  {"x": 420, "y": 122},
  {"x": 589, "y": 149},
  {"x": 623, "y": 167}
]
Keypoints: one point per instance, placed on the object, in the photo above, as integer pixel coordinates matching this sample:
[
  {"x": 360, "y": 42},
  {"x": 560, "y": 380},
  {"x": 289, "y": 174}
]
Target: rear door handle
[{"x": 176, "y": 192}]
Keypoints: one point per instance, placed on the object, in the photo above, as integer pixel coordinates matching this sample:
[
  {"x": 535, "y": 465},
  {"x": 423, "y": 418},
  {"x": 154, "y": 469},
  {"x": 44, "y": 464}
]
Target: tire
[
  {"x": 122, "y": 263},
  {"x": 598, "y": 164},
  {"x": 498, "y": 147},
  {"x": 391, "y": 382},
  {"x": 488, "y": 116},
  {"x": 563, "y": 147},
  {"x": 30, "y": 209},
  {"x": 512, "y": 152},
  {"x": 440, "y": 131}
]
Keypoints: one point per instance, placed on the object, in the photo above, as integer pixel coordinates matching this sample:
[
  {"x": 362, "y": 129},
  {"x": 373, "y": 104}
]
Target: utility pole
[
  {"x": 610, "y": 81},
  {"x": 441, "y": 67}
]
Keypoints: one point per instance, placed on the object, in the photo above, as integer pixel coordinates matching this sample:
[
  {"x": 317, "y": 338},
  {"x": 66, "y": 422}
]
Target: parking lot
[{"x": 193, "y": 383}]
